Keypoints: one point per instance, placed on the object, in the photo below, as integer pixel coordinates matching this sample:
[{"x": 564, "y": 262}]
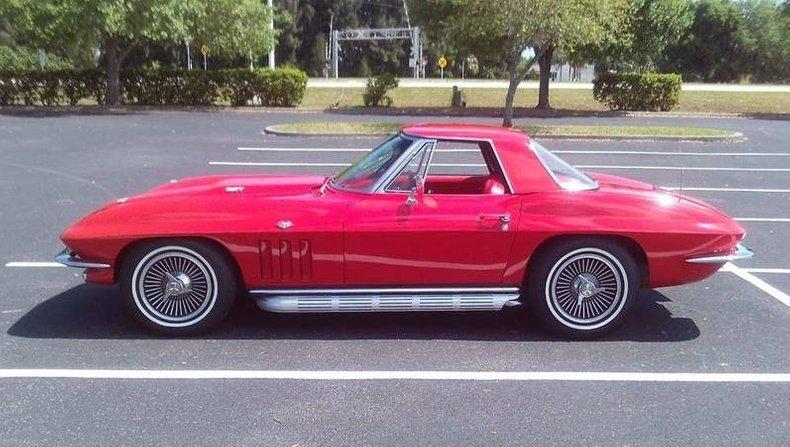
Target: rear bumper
[
  {"x": 741, "y": 252},
  {"x": 68, "y": 259}
]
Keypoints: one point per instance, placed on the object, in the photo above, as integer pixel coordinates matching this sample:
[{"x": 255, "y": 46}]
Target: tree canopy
[{"x": 116, "y": 27}]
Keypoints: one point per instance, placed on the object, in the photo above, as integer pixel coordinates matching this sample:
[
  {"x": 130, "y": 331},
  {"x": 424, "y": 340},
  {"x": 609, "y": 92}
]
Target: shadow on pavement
[{"x": 96, "y": 312}]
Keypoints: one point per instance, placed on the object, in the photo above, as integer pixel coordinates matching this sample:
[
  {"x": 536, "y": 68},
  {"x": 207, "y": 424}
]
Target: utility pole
[
  {"x": 189, "y": 56},
  {"x": 271, "y": 26}
]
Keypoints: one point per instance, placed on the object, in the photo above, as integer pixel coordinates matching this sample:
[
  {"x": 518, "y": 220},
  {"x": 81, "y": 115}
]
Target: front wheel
[
  {"x": 583, "y": 289},
  {"x": 178, "y": 287}
]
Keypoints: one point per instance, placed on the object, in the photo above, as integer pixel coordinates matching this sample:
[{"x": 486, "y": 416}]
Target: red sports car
[{"x": 440, "y": 217}]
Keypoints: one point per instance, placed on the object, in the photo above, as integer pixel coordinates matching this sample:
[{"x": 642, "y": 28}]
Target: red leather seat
[{"x": 494, "y": 186}]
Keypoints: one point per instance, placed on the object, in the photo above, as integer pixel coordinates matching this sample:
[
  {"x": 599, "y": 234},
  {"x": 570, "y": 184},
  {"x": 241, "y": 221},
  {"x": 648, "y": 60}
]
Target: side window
[
  {"x": 406, "y": 180},
  {"x": 458, "y": 158}
]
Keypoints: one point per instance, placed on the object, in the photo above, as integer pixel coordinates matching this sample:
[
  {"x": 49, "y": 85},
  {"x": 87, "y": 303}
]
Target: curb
[
  {"x": 133, "y": 109},
  {"x": 471, "y": 112},
  {"x": 738, "y": 136}
]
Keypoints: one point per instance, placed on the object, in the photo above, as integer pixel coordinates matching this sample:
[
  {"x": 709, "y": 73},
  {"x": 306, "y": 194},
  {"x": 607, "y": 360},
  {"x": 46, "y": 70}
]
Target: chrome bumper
[
  {"x": 66, "y": 258},
  {"x": 741, "y": 252}
]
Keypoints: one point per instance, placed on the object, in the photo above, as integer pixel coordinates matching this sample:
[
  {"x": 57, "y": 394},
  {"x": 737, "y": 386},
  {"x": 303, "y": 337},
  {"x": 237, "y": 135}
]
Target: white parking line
[
  {"x": 657, "y": 168},
  {"x": 257, "y": 163},
  {"x": 594, "y": 152},
  {"x": 329, "y": 149},
  {"x": 683, "y": 168},
  {"x": 692, "y": 154},
  {"x": 30, "y": 264},
  {"x": 277, "y": 163},
  {"x": 764, "y": 270},
  {"x": 757, "y": 282},
  {"x": 759, "y": 190},
  {"x": 304, "y": 149},
  {"x": 762, "y": 219},
  {"x": 534, "y": 376}
]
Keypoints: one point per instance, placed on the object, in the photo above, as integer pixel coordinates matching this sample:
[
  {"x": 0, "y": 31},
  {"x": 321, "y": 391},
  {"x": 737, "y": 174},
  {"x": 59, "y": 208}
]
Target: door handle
[{"x": 504, "y": 218}]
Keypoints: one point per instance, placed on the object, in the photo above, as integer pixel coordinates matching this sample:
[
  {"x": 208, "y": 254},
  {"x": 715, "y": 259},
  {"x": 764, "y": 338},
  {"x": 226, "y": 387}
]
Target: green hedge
[
  {"x": 267, "y": 87},
  {"x": 638, "y": 91}
]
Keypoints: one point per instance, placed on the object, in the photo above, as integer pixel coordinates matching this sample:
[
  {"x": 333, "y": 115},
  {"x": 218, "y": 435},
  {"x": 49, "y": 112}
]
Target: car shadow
[{"x": 90, "y": 311}]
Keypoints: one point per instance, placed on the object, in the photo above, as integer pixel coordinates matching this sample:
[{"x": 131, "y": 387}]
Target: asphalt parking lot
[{"x": 55, "y": 168}]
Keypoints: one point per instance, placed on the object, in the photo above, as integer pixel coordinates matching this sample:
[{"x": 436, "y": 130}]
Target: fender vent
[{"x": 286, "y": 259}]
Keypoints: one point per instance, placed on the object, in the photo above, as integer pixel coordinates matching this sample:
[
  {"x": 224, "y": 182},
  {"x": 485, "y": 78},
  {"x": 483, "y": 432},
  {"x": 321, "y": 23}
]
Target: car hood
[
  {"x": 251, "y": 184},
  {"x": 199, "y": 204}
]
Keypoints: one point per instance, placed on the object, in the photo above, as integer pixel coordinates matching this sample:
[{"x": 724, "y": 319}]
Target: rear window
[{"x": 568, "y": 177}]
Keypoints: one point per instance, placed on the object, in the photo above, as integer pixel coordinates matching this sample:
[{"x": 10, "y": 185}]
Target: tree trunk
[
  {"x": 544, "y": 62},
  {"x": 515, "y": 79},
  {"x": 113, "y": 56}
]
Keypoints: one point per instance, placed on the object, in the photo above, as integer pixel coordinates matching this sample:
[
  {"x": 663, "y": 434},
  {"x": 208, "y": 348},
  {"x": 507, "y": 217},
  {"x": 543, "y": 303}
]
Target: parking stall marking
[
  {"x": 519, "y": 376},
  {"x": 757, "y": 282},
  {"x": 635, "y": 167},
  {"x": 683, "y": 168},
  {"x": 588, "y": 152},
  {"x": 763, "y": 219},
  {"x": 757, "y": 190}
]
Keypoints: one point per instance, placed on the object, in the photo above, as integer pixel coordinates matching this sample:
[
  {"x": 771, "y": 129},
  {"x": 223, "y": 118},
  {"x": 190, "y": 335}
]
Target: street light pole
[{"x": 271, "y": 26}]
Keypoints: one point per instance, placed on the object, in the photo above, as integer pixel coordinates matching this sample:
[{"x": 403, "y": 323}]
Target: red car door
[{"x": 443, "y": 239}]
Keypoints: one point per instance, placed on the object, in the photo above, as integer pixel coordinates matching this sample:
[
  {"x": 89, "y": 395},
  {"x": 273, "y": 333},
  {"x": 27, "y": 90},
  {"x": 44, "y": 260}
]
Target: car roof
[
  {"x": 524, "y": 171},
  {"x": 465, "y": 131}
]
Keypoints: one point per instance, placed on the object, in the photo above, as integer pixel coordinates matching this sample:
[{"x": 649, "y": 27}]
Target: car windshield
[
  {"x": 568, "y": 177},
  {"x": 367, "y": 171}
]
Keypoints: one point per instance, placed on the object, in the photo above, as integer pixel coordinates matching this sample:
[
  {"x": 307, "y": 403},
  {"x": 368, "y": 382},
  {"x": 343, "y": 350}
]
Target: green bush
[
  {"x": 267, "y": 87},
  {"x": 377, "y": 89},
  {"x": 50, "y": 88},
  {"x": 168, "y": 87},
  {"x": 638, "y": 91},
  {"x": 284, "y": 87}
]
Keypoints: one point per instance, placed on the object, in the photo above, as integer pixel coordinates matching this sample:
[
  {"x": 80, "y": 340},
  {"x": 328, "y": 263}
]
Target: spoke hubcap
[
  {"x": 174, "y": 286},
  {"x": 586, "y": 288}
]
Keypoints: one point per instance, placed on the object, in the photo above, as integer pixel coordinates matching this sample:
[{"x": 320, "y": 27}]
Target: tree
[
  {"x": 715, "y": 47},
  {"x": 650, "y": 27},
  {"x": 768, "y": 25},
  {"x": 116, "y": 27},
  {"x": 568, "y": 25},
  {"x": 508, "y": 28}
]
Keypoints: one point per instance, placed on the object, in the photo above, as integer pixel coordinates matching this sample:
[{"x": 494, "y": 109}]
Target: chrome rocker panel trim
[
  {"x": 66, "y": 258},
  {"x": 385, "y": 300},
  {"x": 741, "y": 252}
]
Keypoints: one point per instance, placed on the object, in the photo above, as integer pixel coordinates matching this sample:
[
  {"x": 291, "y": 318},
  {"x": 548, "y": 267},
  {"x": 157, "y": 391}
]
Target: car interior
[{"x": 456, "y": 167}]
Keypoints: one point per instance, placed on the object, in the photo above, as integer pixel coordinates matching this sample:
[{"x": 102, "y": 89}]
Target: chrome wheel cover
[
  {"x": 586, "y": 289},
  {"x": 174, "y": 286}
]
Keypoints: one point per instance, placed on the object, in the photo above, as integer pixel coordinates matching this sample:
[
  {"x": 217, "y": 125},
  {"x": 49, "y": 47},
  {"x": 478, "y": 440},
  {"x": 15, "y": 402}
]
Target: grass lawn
[
  {"x": 365, "y": 128},
  {"x": 581, "y": 100}
]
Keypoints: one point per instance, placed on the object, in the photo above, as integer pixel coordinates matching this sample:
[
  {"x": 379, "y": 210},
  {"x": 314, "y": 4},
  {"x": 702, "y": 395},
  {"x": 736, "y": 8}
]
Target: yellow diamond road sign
[
  {"x": 442, "y": 62},
  {"x": 204, "y": 49}
]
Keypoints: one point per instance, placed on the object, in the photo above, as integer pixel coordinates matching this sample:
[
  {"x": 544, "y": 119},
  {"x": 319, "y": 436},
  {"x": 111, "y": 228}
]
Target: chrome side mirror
[{"x": 417, "y": 192}]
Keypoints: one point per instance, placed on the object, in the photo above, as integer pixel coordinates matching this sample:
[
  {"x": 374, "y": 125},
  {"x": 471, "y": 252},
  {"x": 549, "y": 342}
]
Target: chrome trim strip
[
  {"x": 390, "y": 300},
  {"x": 378, "y": 184},
  {"x": 385, "y": 290},
  {"x": 389, "y": 176},
  {"x": 741, "y": 252},
  {"x": 67, "y": 259}
]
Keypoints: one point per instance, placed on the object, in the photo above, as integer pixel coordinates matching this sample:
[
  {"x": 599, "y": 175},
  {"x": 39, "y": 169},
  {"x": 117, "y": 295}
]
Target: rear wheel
[
  {"x": 583, "y": 288},
  {"x": 178, "y": 287}
]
